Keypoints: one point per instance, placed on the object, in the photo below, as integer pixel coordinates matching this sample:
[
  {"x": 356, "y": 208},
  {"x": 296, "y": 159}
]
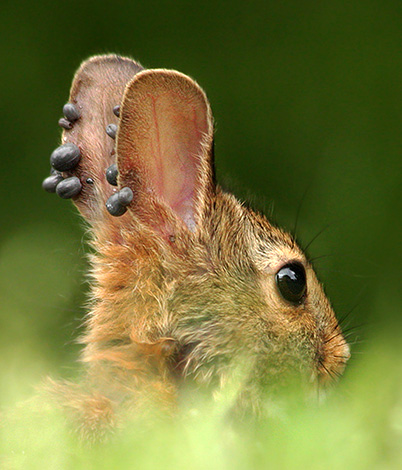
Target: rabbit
[{"x": 186, "y": 281}]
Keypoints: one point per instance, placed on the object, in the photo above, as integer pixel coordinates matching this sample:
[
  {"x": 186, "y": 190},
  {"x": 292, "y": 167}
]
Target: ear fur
[
  {"x": 97, "y": 88},
  {"x": 164, "y": 147}
]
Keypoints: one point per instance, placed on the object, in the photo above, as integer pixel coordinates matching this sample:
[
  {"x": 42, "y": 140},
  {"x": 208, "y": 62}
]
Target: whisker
[
  {"x": 316, "y": 236},
  {"x": 333, "y": 337},
  {"x": 313, "y": 260},
  {"x": 359, "y": 276},
  {"x": 332, "y": 374},
  {"x": 344, "y": 333},
  {"x": 346, "y": 329},
  {"x": 357, "y": 301},
  {"x": 354, "y": 327},
  {"x": 299, "y": 210},
  {"x": 358, "y": 341}
]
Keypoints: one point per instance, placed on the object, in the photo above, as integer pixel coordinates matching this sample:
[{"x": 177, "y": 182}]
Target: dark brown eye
[{"x": 291, "y": 282}]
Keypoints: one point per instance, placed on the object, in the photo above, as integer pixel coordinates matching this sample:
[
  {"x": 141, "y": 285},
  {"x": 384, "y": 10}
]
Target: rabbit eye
[{"x": 291, "y": 282}]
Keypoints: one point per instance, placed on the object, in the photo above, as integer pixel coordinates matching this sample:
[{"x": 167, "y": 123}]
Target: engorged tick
[
  {"x": 71, "y": 112},
  {"x": 111, "y": 130}
]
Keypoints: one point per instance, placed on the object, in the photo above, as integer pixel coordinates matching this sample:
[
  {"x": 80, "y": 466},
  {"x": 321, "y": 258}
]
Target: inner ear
[{"x": 164, "y": 144}]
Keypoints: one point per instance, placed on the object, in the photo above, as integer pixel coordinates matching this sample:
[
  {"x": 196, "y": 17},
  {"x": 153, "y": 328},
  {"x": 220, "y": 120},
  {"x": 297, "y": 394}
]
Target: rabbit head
[{"x": 184, "y": 275}]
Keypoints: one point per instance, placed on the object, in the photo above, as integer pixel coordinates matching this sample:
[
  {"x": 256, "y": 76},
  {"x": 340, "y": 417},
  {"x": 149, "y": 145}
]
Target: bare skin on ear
[{"x": 187, "y": 282}]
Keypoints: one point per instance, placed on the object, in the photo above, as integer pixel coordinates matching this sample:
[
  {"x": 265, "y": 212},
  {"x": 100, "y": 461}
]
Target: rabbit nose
[
  {"x": 332, "y": 360},
  {"x": 346, "y": 352}
]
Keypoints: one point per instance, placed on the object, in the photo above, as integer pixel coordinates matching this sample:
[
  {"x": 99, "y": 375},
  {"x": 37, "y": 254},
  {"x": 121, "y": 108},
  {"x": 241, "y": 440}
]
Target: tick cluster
[{"x": 67, "y": 157}]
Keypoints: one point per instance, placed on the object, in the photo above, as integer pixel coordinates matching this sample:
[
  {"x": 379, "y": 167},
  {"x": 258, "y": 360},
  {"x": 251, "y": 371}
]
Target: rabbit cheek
[
  {"x": 332, "y": 351},
  {"x": 279, "y": 309},
  {"x": 291, "y": 333},
  {"x": 311, "y": 324}
]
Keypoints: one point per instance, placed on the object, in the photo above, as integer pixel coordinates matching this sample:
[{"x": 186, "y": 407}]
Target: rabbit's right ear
[{"x": 165, "y": 149}]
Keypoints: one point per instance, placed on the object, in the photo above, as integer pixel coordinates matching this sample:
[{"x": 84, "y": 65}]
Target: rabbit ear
[
  {"x": 164, "y": 147},
  {"x": 97, "y": 88}
]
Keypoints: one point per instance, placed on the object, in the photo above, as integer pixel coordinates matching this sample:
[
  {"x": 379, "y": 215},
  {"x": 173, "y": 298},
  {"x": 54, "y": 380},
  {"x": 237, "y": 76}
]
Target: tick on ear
[
  {"x": 49, "y": 184},
  {"x": 65, "y": 157},
  {"x": 71, "y": 112},
  {"x": 111, "y": 130},
  {"x": 65, "y": 124},
  {"x": 111, "y": 174},
  {"x": 117, "y": 202},
  {"x": 69, "y": 187}
]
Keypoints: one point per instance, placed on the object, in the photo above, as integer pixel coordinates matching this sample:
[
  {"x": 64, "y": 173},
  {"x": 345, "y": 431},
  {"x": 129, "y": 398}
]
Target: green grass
[{"x": 359, "y": 426}]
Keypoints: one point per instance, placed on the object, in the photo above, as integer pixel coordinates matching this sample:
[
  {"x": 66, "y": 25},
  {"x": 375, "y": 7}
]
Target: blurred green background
[{"x": 307, "y": 101}]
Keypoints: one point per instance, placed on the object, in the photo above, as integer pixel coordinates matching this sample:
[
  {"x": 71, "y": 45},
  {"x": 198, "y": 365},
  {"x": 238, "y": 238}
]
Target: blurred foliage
[
  {"x": 358, "y": 427},
  {"x": 307, "y": 102}
]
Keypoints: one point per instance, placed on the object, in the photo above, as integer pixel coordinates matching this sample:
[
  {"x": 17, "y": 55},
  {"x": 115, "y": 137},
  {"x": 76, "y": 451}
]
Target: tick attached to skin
[
  {"x": 65, "y": 157},
  {"x": 111, "y": 130},
  {"x": 65, "y": 124},
  {"x": 89, "y": 181},
  {"x": 49, "y": 184},
  {"x": 125, "y": 196},
  {"x": 69, "y": 187},
  {"x": 117, "y": 202},
  {"x": 116, "y": 110},
  {"x": 71, "y": 112},
  {"x": 111, "y": 174}
]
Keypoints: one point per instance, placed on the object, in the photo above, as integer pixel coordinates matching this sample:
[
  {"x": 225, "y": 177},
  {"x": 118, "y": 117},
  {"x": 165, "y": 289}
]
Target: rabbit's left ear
[
  {"x": 164, "y": 148},
  {"x": 97, "y": 88}
]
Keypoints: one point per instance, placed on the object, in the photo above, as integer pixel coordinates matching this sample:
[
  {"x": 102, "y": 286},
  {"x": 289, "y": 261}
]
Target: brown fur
[{"x": 180, "y": 290}]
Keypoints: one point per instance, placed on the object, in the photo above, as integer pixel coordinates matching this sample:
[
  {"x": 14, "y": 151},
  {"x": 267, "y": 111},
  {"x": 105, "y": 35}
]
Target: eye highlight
[{"x": 291, "y": 282}]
